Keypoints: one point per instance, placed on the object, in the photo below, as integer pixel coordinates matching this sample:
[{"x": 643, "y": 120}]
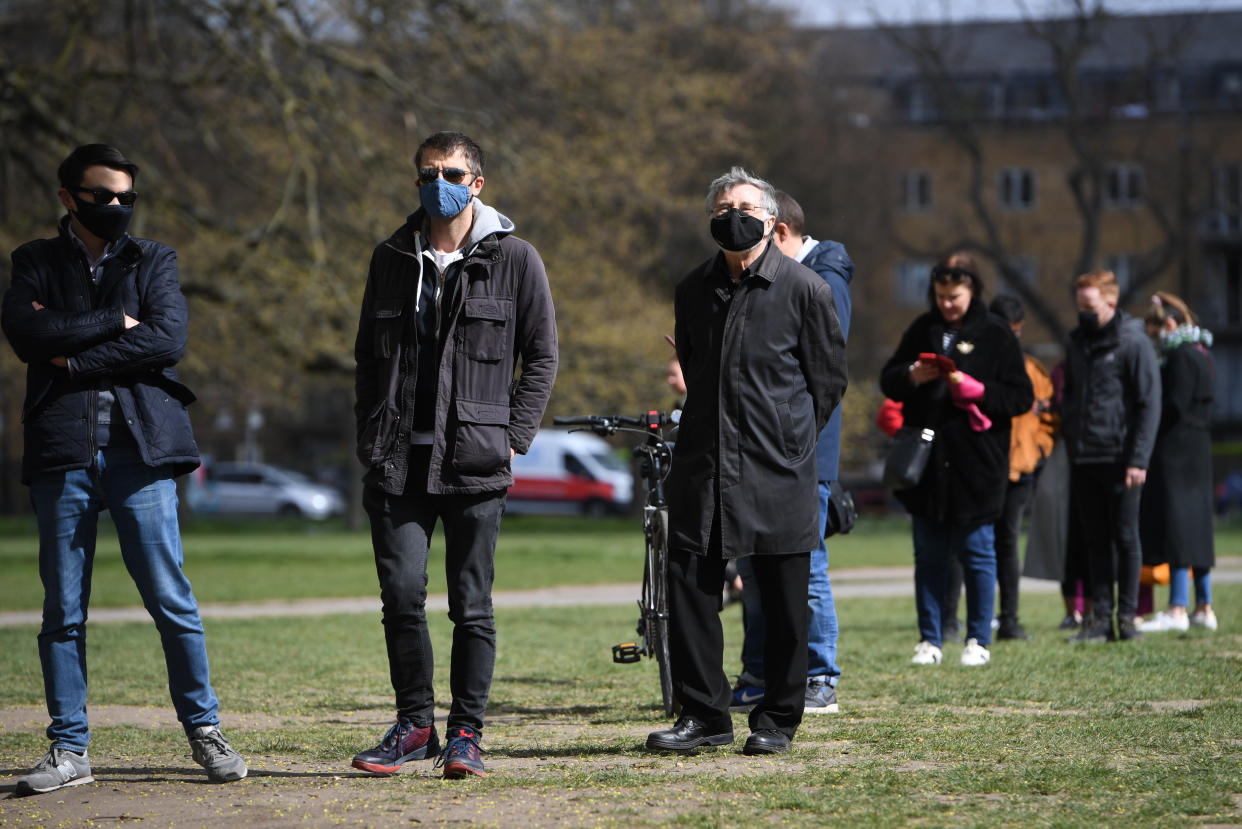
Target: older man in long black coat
[{"x": 764, "y": 361}]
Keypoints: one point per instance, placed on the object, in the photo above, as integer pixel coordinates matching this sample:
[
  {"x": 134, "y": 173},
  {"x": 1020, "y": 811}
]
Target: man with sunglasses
[
  {"x": 452, "y": 300},
  {"x": 99, "y": 319}
]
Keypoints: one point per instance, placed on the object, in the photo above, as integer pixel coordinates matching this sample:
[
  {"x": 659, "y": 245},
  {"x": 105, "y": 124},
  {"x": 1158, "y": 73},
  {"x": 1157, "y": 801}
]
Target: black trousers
[
  {"x": 696, "y": 638},
  {"x": 1008, "y": 530},
  {"x": 401, "y": 527},
  {"x": 1108, "y": 516}
]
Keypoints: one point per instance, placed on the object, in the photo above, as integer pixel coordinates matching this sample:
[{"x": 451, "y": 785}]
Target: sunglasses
[
  {"x": 102, "y": 195},
  {"x": 452, "y": 175}
]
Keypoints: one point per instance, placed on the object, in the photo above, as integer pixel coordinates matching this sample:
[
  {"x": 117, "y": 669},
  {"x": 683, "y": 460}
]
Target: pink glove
[
  {"x": 978, "y": 420},
  {"x": 963, "y": 387}
]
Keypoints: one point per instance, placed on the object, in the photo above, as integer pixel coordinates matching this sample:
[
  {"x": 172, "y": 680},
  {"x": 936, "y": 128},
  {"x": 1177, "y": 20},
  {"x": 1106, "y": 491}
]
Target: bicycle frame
[{"x": 653, "y": 602}]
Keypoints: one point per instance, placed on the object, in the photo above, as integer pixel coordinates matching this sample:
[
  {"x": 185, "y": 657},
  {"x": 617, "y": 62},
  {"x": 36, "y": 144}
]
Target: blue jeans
[
  {"x": 1179, "y": 586},
  {"x": 143, "y": 504},
  {"x": 821, "y": 616},
  {"x": 975, "y": 547}
]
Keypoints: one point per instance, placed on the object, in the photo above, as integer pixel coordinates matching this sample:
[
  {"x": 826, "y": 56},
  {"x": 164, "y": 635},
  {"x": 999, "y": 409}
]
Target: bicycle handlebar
[{"x": 608, "y": 424}]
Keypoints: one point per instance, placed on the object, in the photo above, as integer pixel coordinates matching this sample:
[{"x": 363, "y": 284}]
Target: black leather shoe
[
  {"x": 689, "y": 734},
  {"x": 766, "y": 742}
]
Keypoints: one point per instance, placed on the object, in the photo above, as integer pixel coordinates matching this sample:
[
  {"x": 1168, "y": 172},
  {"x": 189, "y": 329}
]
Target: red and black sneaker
[
  {"x": 404, "y": 741},
  {"x": 461, "y": 755}
]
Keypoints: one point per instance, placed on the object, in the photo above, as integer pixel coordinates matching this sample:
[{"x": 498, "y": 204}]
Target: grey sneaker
[
  {"x": 59, "y": 768},
  {"x": 821, "y": 698},
  {"x": 213, "y": 752}
]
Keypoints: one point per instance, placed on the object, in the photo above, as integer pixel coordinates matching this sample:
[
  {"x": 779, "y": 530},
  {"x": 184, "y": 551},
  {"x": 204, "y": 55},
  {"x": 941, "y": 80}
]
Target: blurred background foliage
[{"x": 275, "y": 139}]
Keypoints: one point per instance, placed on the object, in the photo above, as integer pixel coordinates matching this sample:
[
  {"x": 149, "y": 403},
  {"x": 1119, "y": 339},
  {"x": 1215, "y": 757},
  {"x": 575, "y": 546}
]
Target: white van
[{"x": 567, "y": 473}]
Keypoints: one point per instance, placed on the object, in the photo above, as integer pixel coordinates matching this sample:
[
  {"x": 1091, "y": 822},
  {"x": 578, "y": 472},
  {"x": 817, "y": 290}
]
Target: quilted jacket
[{"x": 85, "y": 322}]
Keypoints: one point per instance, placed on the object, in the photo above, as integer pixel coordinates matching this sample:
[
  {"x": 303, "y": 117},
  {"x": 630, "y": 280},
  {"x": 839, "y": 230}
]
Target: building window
[
  {"x": 1027, "y": 268},
  {"x": 1016, "y": 190},
  {"x": 914, "y": 193},
  {"x": 1123, "y": 185},
  {"x": 911, "y": 282},
  {"x": 1224, "y": 286},
  {"x": 1228, "y": 190},
  {"x": 1125, "y": 266}
]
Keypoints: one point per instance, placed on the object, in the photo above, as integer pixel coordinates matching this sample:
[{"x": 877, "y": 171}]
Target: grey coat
[{"x": 765, "y": 366}]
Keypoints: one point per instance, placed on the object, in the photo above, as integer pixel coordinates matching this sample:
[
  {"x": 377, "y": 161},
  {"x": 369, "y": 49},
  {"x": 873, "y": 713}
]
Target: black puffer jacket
[
  {"x": 87, "y": 324},
  {"x": 965, "y": 479},
  {"x": 502, "y": 311},
  {"x": 1111, "y": 403}
]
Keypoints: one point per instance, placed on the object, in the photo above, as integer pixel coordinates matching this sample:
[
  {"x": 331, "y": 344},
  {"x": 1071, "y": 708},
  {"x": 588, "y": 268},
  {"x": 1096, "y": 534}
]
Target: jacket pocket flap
[
  {"x": 477, "y": 411},
  {"x": 389, "y": 308},
  {"x": 486, "y": 308}
]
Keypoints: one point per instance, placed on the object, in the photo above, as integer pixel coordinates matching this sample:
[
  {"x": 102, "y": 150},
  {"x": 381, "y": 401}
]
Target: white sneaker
[
  {"x": 975, "y": 654},
  {"x": 1204, "y": 619},
  {"x": 926, "y": 654},
  {"x": 1164, "y": 622}
]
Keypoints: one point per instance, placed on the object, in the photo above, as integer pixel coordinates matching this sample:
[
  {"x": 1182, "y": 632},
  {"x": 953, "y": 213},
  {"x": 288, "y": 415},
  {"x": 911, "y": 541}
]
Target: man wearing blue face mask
[
  {"x": 763, "y": 355},
  {"x": 452, "y": 300},
  {"x": 99, "y": 319}
]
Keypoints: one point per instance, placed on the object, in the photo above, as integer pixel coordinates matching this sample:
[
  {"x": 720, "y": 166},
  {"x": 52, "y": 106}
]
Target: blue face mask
[{"x": 443, "y": 199}]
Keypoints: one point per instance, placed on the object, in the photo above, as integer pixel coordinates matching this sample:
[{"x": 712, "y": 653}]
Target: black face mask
[
  {"x": 735, "y": 231},
  {"x": 1089, "y": 321},
  {"x": 107, "y": 221}
]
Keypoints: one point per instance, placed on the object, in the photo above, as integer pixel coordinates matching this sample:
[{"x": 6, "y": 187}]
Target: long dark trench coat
[{"x": 764, "y": 365}]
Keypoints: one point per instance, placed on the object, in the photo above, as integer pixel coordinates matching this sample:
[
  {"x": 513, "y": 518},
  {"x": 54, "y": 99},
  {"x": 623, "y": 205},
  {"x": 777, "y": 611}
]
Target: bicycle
[{"x": 653, "y": 601}]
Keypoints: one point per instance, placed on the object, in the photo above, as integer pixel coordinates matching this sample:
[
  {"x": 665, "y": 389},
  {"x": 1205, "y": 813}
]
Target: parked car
[
  {"x": 240, "y": 488},
  {"x": 569, "y": 473}
]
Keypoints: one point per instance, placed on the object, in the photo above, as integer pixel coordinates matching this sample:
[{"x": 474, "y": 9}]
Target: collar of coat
[
  {"x": 764, "y": 267},
  {"x": 404, "y": 240},
  {"x": 129, "y": 253}
]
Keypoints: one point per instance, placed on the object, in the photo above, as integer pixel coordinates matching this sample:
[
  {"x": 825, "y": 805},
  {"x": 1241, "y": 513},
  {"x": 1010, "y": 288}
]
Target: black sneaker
[
  {"x": 461, "y": 755},
  {"x": 1093, "y": 632},
  {"x": 403, "y": 742},
  {"x": 1011, "y": 630},
  {"x": 1127, "y": 631},
  {"x": 1072, "y": 621}
]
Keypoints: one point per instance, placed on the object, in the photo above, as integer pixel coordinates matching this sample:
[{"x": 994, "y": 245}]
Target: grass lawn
[
  {"x": 1134, "y": 734},
  {"x": 232, "y": 561}
]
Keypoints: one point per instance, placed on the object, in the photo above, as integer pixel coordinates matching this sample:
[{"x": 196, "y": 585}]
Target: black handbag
[
  {"x": 908, "y": 457},
  {"x": 841, "y": 513}
]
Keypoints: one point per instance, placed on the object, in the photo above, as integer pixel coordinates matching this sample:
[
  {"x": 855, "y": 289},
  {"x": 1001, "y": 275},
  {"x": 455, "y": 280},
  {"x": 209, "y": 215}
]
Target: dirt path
[{"x": 285, "y": 791}]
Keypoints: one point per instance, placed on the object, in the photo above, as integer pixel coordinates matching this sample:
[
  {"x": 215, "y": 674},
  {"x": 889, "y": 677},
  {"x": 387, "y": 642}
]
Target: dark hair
[
  {"x": 449, "y": 142},
  {"x": 73, "y": 169},
  {"x": 955, "y": 269},
  {"x": 1165, "y": 305},
  {"x": 1009, "y": 308},
  {"x": 789, "y": 211}
]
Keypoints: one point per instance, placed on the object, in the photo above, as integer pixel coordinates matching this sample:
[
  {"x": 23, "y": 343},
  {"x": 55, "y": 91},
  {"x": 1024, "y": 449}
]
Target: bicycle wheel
[{"x": 655, "y": 605}]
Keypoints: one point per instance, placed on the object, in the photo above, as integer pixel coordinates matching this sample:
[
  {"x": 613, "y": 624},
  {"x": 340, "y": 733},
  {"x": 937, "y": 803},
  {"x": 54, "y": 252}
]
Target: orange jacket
[{"x": 1033, "y": 432}]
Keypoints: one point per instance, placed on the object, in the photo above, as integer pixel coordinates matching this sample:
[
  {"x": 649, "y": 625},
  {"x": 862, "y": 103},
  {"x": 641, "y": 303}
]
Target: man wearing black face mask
[
  {"x": 1110, "y": 412},
  {"x": 763, "y": 354},
  {"x": 99, "y": 318}
]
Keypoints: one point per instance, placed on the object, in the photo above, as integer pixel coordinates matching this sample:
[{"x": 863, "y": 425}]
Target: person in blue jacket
[
  {"x": 99, "y": 319},
  {"x": 833, "y": 264}
]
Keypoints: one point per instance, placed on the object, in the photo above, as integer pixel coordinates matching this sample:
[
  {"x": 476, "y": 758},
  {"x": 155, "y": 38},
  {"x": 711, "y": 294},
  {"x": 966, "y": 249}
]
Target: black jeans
[
  {"x": 1008, "y": 530},
  {"x": 1108, "y": 516},
  {"x": 696, "y": 638},
  {"x": 401, "y": 527}
]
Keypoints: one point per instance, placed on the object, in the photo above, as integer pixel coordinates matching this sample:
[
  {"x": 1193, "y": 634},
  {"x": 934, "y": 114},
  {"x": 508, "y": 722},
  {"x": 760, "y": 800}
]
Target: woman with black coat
[
  {"x": 958, "y": 371},
  {"x": 1175, "y": 523}
]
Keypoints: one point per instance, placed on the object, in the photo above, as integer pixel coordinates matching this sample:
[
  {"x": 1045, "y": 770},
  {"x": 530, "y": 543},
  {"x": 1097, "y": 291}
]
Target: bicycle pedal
[{"x": 626, "y": 652}]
